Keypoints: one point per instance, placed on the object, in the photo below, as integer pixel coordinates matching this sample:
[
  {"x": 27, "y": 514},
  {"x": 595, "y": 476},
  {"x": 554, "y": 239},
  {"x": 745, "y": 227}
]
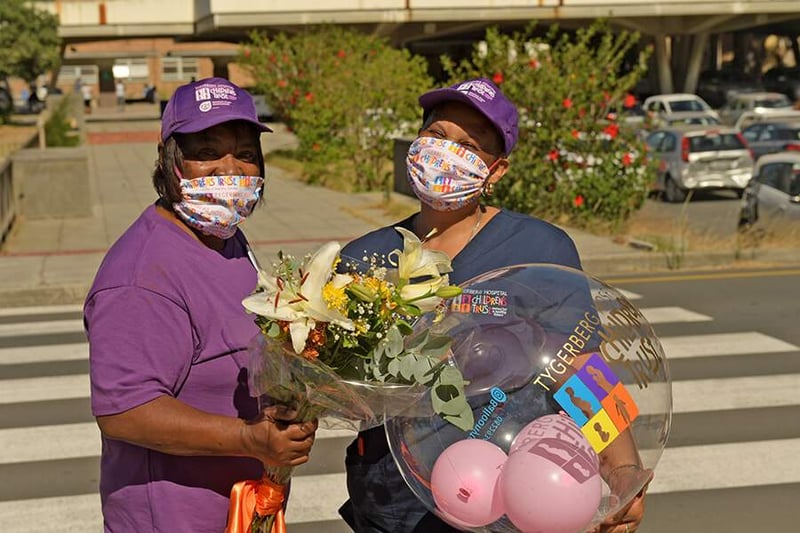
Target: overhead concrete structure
[{"x": 680, "y": 29}]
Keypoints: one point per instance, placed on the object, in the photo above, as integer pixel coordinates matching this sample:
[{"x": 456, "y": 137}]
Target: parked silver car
[
  {"x": 772, "y": 137},
  {"x": 699, "y": 157},
  {"x": 759, "y": 102},
  {"x": 773, "y": 195}
]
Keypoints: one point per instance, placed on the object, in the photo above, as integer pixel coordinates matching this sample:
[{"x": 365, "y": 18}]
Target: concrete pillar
[
  {"x": 740, "y": 49},
  {"x": 695, "y": 62},
  {"x": 662, "y": 43},
  {"x": 221, "y": 67},
  {"x": 681, "y": 46}
]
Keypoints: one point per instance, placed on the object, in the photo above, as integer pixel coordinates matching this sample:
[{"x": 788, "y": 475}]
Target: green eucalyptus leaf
[
  {"x": 422, "y": 370},
  {"x": 404, "y": 327},
  {"x": 393, "y": 368},
  {"x": 408, "y": 363},
  {"x": 436, "y": 346},
  {"x": 417, "y": 341},
  {"x": 394, "y": 342},
  {"x": 464, "y": 420}
]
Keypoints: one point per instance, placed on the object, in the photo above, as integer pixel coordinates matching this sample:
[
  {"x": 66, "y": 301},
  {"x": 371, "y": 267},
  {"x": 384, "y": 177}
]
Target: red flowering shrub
[
  {"x": 345, "y": 95},
  {"x": 574, "y": 163}
]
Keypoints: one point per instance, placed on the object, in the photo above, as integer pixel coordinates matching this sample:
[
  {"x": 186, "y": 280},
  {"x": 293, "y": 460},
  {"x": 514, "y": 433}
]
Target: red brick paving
[{"x": 117, "y": 137}]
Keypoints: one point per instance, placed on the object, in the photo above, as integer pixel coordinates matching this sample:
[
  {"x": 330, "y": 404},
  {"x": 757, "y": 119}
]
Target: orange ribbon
[{"x": 260, "y": 496}]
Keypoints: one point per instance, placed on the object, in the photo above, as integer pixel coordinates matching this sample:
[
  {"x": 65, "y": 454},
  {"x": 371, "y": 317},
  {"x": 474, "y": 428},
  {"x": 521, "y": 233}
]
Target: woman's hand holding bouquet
[{"x": 333, "y": 344}]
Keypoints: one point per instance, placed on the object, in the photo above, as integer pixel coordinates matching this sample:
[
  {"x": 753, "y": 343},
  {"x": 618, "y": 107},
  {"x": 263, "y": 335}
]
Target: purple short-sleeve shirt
[{"x": 164, "y": 317}]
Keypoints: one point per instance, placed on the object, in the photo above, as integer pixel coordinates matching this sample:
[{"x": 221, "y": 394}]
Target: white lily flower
[
  {"x": 423, "y": 294},
  {"x": 302, "y": 306},
  {"x": 414, "y": 261}
]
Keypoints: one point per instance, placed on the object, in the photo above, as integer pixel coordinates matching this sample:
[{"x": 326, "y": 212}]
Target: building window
[
  {"x": 178, "y": 68},
  {"x": 87, "y": 73},
  {"x": 134, "y": 69}
]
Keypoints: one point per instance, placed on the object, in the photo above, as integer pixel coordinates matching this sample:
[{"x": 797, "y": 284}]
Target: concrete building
[{"x": 167, "y": 42}]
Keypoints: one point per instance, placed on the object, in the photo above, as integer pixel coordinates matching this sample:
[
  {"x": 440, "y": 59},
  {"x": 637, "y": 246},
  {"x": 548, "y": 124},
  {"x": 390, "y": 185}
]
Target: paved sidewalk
[{"x": 54, "y": 261}]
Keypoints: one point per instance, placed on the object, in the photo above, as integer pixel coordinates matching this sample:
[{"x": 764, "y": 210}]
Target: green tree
[
  {"x": 29, "y": 41},
  {"x": 345, "y": 94},
  {"x": 575, "y": 162}
]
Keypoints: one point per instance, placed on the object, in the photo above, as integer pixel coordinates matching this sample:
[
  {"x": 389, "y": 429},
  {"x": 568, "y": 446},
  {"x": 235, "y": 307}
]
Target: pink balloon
[
  {"x": 464, "y": 483},
  {"x": 550, "y": 426},
  {"x": 551, "y": 486}
]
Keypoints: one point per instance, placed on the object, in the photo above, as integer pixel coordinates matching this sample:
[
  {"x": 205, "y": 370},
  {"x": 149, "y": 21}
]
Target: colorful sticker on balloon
[
  {"x": 489, "y": 302},
  {"x": 598, "y": 402}
]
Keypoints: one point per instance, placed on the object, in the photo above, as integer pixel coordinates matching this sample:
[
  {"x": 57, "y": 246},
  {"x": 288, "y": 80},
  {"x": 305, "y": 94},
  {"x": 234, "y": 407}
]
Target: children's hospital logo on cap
[
  {"x": 477, "y": 89},
  {"x": 212, "y": 95}
]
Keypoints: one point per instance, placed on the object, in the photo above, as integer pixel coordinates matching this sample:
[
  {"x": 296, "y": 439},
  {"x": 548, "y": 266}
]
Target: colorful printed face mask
[
  {"x": 444, "y": 174},
  {"x": 215, "y": 205}
]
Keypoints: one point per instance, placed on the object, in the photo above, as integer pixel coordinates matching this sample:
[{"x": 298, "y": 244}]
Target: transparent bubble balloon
[{"x": 570, "y": 391}]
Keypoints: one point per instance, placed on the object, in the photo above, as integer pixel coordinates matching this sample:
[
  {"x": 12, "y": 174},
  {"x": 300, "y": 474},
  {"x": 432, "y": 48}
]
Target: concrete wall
[
  {"x": 138, "y": 17},
  {"x": 52, "y": 182}
]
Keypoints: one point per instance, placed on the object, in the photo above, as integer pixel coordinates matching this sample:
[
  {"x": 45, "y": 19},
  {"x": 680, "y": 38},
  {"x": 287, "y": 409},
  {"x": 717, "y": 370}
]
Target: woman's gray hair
[{"x": 166, "y": 178}]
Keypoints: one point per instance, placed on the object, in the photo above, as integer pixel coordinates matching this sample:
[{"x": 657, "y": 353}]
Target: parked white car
[
  {"x": 760, "y": 102},
  {"x": 666, "y": 104}
]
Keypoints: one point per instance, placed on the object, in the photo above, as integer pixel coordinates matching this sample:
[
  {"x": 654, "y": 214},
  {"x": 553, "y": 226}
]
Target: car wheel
[
  {"x": 672, "y": 192},
  {"x": 748, "y": 215}
]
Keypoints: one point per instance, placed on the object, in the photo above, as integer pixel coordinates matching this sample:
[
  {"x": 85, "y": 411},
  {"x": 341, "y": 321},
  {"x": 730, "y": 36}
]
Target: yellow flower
[{"x": 335, "y": 297}]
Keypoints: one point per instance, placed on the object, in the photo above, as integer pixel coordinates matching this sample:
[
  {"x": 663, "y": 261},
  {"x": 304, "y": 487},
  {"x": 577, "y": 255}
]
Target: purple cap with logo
[
  {"x": 205, "y": 103},
  {"x": 487, "y": 98}
]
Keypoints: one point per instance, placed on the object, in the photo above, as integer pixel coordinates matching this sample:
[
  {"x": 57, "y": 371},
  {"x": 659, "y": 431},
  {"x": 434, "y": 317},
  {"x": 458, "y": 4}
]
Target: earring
[{"x": 488, "y": 189}]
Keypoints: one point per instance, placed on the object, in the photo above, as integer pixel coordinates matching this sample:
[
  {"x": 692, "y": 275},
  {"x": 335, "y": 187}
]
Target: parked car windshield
[
  {"x": 686, "y": 105},
  {"x": 772, "y": 103},
  {"x": 715, "y": 142},
  {"x": 789, "y": 135}
]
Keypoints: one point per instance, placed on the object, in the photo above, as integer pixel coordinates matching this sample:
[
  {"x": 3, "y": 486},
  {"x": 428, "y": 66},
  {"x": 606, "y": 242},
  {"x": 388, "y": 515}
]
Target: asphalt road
[
  {"x": 750, "y": 491},
  {"x": 730, "y": 465}
]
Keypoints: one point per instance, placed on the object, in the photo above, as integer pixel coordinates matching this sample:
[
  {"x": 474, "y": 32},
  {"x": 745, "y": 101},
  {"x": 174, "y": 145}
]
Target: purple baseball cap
[
  {"x": 487, "y": 98},
  {"x": 205, "y": 103}
]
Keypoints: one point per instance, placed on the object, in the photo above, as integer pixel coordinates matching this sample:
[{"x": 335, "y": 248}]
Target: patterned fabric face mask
[
  {"x": 443, "y": 174},
  {"x": 215, "y": 205}
]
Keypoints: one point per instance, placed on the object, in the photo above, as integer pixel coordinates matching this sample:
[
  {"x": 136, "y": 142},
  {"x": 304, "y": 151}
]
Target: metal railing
[{"x": 8, "y": 199}]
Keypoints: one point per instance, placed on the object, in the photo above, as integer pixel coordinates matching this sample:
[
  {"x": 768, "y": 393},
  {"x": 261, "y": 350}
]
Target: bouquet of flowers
[{"x": 334, "y": 344}]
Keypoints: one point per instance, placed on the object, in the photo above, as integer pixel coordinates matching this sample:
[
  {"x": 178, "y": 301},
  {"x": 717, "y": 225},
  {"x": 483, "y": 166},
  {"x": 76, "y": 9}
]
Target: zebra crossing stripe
[
  {"x": 665, "y": 315},
  {"x": 722, "y": 466},
  {"x": 72, "y": 441},
  {"x": 688, "y": 395},
  {"x": 63, "y": 513},
  {"x": 44, "y": 354},
  {"x": 40, "y": 310},
  {"x": 41, "y": 389},
  {"x": 317, "y": 498},
  {"x": 41, "y": 443},
  {"x": 721, "y": 344}
]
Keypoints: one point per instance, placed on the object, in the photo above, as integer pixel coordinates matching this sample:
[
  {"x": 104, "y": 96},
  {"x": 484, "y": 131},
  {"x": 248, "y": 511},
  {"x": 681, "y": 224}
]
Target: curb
[
  {"x": 659, "y": 262},
  {"x": 598, "y": 266}
]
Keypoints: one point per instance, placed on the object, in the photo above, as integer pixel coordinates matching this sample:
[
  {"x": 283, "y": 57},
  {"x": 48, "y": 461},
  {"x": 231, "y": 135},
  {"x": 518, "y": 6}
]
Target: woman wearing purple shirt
[{"x": 167, "y": 331}]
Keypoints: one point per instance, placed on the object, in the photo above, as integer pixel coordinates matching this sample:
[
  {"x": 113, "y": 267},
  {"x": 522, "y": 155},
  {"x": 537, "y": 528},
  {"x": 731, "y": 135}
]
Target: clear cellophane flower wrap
[
  {"x": 312, "y": 390},
  {"x": 333, "y": 347}
]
